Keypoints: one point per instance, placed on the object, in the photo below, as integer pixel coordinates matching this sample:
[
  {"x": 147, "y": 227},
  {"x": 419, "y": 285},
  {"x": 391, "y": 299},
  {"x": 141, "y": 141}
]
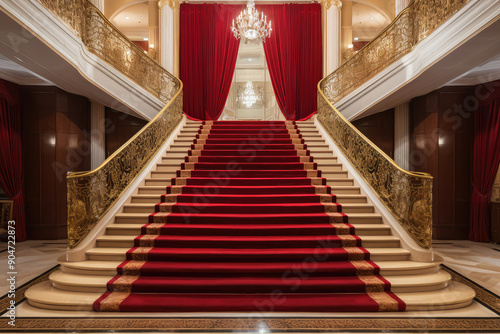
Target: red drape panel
[
  {"x": 208, "y": 52},
  {"x": 485, "y": 167},
  {"x": 294, "y": 56},
  {"x": 11, "y": 175}
]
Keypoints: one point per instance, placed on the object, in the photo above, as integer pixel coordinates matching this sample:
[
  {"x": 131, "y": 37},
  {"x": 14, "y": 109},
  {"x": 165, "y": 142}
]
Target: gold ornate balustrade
[
  {"x": 408, "y": 195},
  {"x": 103, "y": 39},
  {"x": 91, "y": 194},
  {"x": 409, "y": 28}
]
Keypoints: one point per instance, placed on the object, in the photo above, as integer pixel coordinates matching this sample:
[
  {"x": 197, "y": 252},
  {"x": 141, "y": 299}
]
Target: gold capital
[
  {"x": 328, "y": 3},
  {"x": 171, "y": 3}
]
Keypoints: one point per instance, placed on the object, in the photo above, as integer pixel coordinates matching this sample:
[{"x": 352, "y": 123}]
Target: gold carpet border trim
[
  {"x": 112, "y": 302},
  {"x": 133, "y": 268},
  {"x": 385, "y": 302},
  {"x": 123, "y": 284}
]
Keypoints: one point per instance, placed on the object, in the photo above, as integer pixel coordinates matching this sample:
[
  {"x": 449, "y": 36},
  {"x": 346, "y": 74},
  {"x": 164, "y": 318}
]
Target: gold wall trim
[
  {"x": 399, "y": 38},
  {"x": 91, "y": 194},
  {"x": 407, "y": 195}
]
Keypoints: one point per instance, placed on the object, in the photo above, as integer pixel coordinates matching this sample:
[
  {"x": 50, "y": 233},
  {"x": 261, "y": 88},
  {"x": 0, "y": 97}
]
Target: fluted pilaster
[
  {"x": 402, "y": 135},
  {"x": 97, "y": 135}
]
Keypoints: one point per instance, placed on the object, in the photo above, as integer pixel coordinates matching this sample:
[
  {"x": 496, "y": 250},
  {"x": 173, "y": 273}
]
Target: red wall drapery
[
  {"x": 11, "y": 170},
  {"x": 208, "y": 52},
  {"x": 294, "y": 56},
  {"x": 485, "y": 167}
]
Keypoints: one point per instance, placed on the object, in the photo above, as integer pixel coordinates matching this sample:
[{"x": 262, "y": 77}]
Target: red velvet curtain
[
  {"x": 294, "y": 56},
  {"x": 485, "y": 167},
  {"x": 11, "y": 175},
  {"x": 208, "y": 52}
]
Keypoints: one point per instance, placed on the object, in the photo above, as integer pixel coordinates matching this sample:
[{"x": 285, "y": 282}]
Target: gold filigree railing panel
[
  {"x": 407, "y": 195},
  {"x": 103, "y": 39},
  {"x": 409, "y": 28},
  {"x": 92, "y": 194}
]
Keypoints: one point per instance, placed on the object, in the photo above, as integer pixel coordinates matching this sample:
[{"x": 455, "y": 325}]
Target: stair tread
[
  {"x": 454, "y": 294},
  {"x": 119, "y": 251},
  {"x": 358, "y": 227},
  {"x": 101, "y": 280},
  {"x": 132, "y": 237},
  {"x": 392, "y": 266}
]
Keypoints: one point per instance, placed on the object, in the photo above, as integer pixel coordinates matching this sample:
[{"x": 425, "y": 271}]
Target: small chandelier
[
  {"x": 249, "y": 27},
  {"x": 248, "y": 96}
]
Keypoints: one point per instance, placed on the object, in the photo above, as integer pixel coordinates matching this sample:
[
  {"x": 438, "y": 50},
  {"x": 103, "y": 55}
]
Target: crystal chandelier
[
  {"x": 249, "y": 27},
  {"x": 248, "y": 96}
]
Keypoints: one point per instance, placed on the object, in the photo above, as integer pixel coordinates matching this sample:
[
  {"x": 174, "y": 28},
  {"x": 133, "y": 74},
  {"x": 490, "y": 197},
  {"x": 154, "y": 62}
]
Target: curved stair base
[{"x": 423, "y": 286}]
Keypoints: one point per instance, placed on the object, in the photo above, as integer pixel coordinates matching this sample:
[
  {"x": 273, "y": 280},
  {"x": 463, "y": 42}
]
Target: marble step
[
  {"x": 387, "y": 268},
  {"x": 161, "y": 189},
  {"x": 143, "y": 217},
  {"x": 154, "y": 198},
  {"x": 399, "y": 284},
  {"x": 312, "y": 146},
  {"x": 329, "y": 166},
  {"x": 134, "y": 229},
  {"x": 124, "y": 241},
  {"x": 456, "y": 295},
  {"x": 159, "y": 177},
  {"x": 376, "y": 254},
  {"x": 183, "y": 150},
  {"x": 347, "y": 208}
]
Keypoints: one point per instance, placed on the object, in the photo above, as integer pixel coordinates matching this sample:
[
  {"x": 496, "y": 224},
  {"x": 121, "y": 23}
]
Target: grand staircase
[{"x": 249, "y": 216}]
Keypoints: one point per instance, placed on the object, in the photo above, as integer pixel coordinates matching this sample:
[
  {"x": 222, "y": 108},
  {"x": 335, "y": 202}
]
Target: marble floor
[
  {"x": 33, "y": 257},
  {"x": 477, "y": 261}
]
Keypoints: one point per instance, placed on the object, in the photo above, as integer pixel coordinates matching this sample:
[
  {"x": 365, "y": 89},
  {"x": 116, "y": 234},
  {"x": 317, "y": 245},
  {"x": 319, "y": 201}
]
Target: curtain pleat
[
  {"x": 208, "y": 53},
  {"x": 485, "y": 167},
  {"x": 11, "y": 168},
  {"x": 294, "y": 56}
]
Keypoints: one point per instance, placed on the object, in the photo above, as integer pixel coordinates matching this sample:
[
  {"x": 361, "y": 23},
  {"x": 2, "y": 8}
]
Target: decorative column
[
  {"x": 331, "y": 34},
  {"x": 400, "y": 5},
  {"x": 346, "y": 21},
  {"x": 169, "y": 35},
  {"x": 153, "y": 29},
  {"x": 99, "y": 4},
  {"x": 402, "y": 135},
  {"x": 97, "y": 134}
]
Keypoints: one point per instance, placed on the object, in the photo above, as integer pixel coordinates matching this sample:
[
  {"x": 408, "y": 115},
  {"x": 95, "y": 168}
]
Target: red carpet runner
[{"x": 248, "y": 225}]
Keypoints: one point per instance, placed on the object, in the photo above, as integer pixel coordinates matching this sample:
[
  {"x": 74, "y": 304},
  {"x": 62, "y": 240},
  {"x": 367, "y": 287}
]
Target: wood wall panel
[
  {"x": 120, "y": 128},
  {"x": 55, "y": 127},
  {"x": 379, "y": 128},
  {"x": 442, "y": 145}
]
